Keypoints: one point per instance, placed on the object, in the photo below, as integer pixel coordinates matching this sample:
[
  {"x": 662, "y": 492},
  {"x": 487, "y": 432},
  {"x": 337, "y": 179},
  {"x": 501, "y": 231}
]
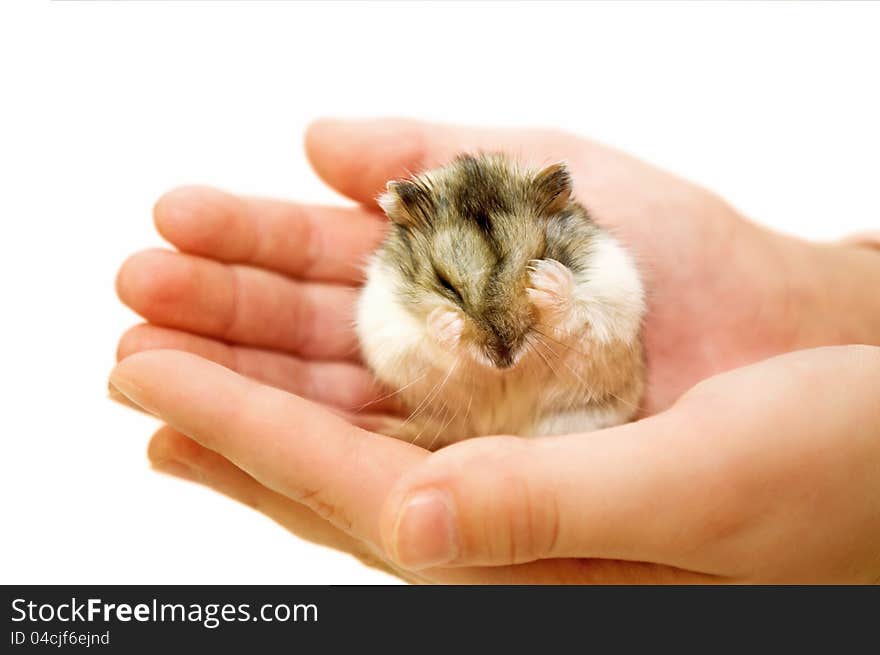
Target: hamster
[{"x": 496, "y": 305}]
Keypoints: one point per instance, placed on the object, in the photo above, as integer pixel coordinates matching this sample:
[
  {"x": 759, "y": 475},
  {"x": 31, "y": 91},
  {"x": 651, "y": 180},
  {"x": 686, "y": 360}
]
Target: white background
[{"x": 103, "y": 106}]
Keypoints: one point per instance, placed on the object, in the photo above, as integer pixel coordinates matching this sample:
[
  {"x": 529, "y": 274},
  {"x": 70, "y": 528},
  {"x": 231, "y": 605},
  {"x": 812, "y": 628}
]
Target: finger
[
  {"x": 172, "y": 452},
  {"x": 240, "y": 304},
  {"x": 315, "y": 243},
  {"x": 613, "y": 494},
  {"x": 175, "y": 454},
  {"x": 286, "y": 443},
  {"x": 340, "y": 384},
  {"x": 357, "y": 158}
]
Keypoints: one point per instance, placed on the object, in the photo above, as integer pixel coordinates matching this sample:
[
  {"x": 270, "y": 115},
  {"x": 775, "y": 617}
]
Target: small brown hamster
[{"x": 496, "y": 305}]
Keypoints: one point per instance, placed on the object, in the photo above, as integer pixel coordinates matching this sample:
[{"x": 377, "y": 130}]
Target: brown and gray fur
[{"x": 506, "y": 340}]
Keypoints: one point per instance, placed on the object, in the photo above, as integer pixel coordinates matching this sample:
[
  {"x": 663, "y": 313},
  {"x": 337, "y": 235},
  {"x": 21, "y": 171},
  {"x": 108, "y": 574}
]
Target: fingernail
[
  {"x": 426, "y": 534},
  {"x": 176, "y": 468},
  {"x": 118, "y": 397},
  {"x": 131, "y": 391}
]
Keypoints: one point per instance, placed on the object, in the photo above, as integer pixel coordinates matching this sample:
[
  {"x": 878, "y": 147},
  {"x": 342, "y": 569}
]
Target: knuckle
[
  {"x": 530, "y": 529},
  {"x": 233, "y": 308},
  {"x": 303, "y": 325},
  {"x": 313, "y": 250},
  {"x": 299, "y": 379},
  {"x": 331, "y": 512}
]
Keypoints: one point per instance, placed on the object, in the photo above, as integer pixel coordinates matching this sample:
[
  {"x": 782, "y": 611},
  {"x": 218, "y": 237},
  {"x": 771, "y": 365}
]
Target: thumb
[
  {"x": 612, "y": 494},
  {"x": 357, "y": 157}
]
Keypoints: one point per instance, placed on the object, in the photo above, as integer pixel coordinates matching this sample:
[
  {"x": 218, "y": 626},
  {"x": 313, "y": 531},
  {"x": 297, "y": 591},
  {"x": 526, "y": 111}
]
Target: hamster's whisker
[
  {"x": 434, "y": 422},
  {"x": 581, "y": 380},
  {"x": 564, "y": 345},
  {"x": 418, "y": 408},
  {"x": 552, "y": 354},
  {"x": 443, "y": 427},
  {"x": 389, "y": 395},
  {"x": 628, "y": 403},
  {"x": 467, "y": 412},
  {"x": 434, "y": 412},
  {"x": 429, "y": 397},
  {"x": 561, "y": 360},
  {"x": 423, "y": 405},
  {"x": 542, "y": 356},
  {"x": 437, "y": 411}
]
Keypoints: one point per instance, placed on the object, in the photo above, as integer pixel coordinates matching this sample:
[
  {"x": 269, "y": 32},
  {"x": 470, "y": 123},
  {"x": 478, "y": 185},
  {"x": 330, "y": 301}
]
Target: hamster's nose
[
  {"x": 502, "y": 356},
  {"x": 504, "y": 350},
  {"x": 503, "y": 341}
]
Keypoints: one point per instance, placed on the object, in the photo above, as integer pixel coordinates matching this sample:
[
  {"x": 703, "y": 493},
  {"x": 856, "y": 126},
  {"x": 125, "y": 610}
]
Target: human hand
[
  {"x": 723, "y": 292},
  {"x": 267, "y": 287},
  {"x": 769, "y": 473}
]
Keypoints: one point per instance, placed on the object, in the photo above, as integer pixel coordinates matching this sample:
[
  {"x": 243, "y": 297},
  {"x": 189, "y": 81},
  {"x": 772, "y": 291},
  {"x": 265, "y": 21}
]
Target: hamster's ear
[
  {"x": 552, "y": 188},
  {"x": 407, "y": 202}
]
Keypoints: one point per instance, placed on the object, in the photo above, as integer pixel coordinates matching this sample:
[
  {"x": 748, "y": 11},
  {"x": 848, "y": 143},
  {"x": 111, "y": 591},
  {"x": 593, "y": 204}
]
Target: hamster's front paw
[
  {"x": 551, "y": 291},
  {"x": 445, "y": 326}
]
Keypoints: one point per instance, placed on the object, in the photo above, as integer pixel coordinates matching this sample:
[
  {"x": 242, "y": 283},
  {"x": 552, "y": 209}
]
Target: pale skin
[{"x": 749, "y": 465}]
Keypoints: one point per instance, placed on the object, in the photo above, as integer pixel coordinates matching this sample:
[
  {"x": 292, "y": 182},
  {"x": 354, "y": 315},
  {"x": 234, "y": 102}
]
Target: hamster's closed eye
[
  {"x": 448, "y": 289},
  {"x": 496, "y": 304}
]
